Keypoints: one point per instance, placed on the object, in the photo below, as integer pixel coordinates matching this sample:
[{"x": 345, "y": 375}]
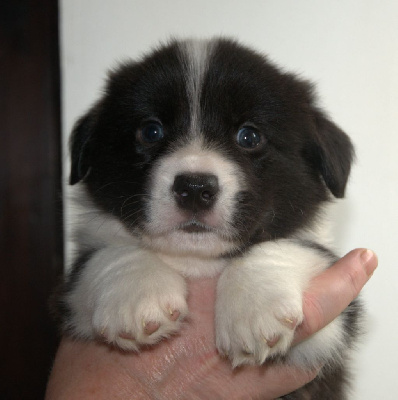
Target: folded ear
[
  {"x": 79, "y": 148},
  {"x": 332, "y": 154}
]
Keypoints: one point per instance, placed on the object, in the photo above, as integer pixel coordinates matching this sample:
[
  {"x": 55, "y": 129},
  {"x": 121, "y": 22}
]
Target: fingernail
[{"x": 369, "y": 261}]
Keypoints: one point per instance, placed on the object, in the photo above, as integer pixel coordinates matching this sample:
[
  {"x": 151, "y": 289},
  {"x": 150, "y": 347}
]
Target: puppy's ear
[
  {"x": 332, "y": 154},
  {"x": 79, "y": 148}
]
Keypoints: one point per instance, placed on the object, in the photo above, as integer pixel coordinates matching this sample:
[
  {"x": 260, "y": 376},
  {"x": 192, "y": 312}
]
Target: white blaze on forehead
[{"x": 196, "y": 54}]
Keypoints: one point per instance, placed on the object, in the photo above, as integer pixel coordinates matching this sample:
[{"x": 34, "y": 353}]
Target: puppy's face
[{"x": 205, "y": 148}]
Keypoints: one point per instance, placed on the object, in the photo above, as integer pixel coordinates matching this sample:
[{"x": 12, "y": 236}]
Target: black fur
[{"x": 59, "y": 308}]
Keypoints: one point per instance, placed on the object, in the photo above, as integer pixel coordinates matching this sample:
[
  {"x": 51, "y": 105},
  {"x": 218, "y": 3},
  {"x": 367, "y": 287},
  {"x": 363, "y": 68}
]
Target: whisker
[{"x": 127, "y": 217}]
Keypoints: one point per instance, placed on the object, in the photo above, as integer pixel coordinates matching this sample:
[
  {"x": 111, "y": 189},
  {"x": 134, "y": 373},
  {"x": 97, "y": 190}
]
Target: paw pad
[
  {"x": 174, "y": 314},
  {"x": 150, "y": 327}
]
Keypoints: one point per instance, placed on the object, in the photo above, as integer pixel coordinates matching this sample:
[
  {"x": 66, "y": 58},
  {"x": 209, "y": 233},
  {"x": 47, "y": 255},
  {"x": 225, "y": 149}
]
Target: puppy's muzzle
[{"x": 195, "y": 192}]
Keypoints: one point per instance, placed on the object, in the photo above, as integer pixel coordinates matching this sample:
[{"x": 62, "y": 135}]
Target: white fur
[
  {"x": 257, "y": 293},
  {"x": 122, "y": 289},
  {"x": 196, "y": 54}
]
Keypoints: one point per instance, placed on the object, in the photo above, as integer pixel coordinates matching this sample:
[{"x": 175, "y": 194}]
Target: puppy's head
[{"x": 204, "y": 147}]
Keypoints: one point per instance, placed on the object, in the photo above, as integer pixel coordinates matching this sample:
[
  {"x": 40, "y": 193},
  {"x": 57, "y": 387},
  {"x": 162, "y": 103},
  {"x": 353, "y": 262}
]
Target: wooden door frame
[{"x": 31, "y": 239}]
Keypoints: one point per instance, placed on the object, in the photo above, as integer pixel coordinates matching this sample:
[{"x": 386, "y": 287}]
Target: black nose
[{"x": 195, "y": 192}]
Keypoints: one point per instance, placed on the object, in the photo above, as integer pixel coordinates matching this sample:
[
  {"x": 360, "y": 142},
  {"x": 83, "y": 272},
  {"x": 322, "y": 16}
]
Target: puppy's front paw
[
  {"x": 255, "y": 320},
  {"x": 140, "y": 307},
  {"x": 249, "y": 333}
]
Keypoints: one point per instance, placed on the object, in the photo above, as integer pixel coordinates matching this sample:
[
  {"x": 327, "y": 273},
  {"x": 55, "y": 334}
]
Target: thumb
[{"x": 332, "y": 291}]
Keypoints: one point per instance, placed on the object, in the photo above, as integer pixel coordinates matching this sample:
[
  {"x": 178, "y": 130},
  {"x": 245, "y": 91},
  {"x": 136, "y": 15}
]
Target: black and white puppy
[{"x": 202, "y": 159}]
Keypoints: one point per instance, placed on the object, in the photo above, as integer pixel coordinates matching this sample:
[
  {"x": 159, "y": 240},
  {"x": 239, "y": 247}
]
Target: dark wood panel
[{"x": 30, "y": 193}]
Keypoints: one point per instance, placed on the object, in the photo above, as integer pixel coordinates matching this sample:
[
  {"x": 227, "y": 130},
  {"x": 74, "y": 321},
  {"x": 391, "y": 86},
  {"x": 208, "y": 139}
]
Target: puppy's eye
[
  {"x": 151, "y": 133},
  {"x": 248, "y": 138}
]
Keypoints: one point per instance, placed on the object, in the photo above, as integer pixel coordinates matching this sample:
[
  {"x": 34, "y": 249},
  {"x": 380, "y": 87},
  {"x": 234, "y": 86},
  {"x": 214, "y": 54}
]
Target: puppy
[{"x": 205, "y": 159}]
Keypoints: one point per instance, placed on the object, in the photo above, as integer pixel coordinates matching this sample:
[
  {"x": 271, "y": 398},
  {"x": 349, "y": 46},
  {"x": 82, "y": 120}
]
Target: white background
[{"x": 349, "y": 48}]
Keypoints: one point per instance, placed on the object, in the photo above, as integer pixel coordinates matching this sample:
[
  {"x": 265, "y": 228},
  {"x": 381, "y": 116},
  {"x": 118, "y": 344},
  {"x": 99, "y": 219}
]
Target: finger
[
  {"x": 295, "y": 379},
  {"x": 332, "y": 291},
  {"x": 280, "y": 380}
]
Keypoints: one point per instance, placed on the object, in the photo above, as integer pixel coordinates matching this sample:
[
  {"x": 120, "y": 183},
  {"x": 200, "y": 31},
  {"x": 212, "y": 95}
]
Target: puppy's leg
[
  {"x": 126, "y": 295},
  {"x": 259, "y": 304}
]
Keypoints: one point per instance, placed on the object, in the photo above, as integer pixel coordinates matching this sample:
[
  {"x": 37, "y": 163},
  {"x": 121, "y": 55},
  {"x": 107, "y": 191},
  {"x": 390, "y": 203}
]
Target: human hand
[{"x": 187, "y": 366}]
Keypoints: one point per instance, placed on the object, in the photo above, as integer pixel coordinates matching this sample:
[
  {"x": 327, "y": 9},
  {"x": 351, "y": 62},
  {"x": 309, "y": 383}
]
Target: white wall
[{"x": 349, "y": 48}]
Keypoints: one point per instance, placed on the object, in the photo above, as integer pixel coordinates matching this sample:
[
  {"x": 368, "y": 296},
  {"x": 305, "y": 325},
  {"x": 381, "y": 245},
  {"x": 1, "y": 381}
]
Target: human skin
[{"x": 187, "y": 366}]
